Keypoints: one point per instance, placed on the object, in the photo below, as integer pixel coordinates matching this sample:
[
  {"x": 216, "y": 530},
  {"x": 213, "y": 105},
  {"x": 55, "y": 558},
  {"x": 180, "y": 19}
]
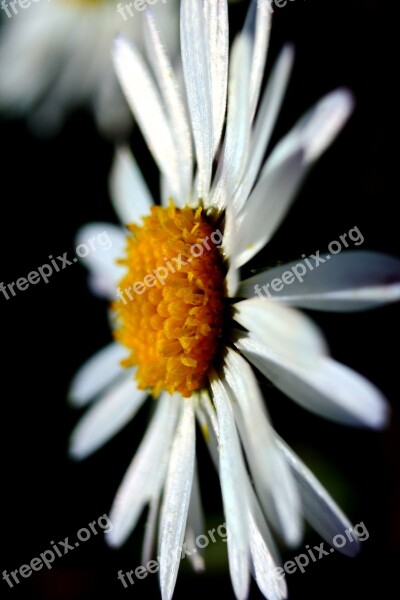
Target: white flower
[
  {"x": 193, "y": 333},
  {"x": 55, "y": 56}
]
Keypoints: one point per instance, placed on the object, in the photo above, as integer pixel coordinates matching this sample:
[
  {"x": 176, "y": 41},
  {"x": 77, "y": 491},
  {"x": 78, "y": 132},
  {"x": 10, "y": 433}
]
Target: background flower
[{"x": 55, "y": 56}]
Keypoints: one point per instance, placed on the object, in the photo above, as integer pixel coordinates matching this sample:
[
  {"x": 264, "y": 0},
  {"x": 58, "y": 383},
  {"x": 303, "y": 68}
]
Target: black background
[{"x": 51, "y": 187}]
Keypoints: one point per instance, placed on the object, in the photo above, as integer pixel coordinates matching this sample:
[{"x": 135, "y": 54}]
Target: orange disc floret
[{"x": 170, "y": 310}]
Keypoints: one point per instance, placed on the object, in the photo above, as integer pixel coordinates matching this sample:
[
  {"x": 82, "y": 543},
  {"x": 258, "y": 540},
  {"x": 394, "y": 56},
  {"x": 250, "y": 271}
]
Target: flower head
[{"x": 190, "y": 330}]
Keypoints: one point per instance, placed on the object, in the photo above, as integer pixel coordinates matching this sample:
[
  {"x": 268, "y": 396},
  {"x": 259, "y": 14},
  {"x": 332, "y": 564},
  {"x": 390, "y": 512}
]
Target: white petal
[
  {"x": 349, "y": 281},
  {"x": 169, "y": 89},
  {"x": 128, "y": 190},
  {"x": 265, "y": 122},
  {"x": 285, "y": 170},
  {"x": 208, "y": 423},
  {"x": 102, "y": 286},
  {"x": 146, "y": 473},
  {"x": 233, "y": 476},
  {"x": 270, "y": 585},
  {"x": 150, "y": 529},
  {"x": 285, "y": 331},
  {"x": 267, "y": 206},
  {"x": 175, "y": 506},
  {"x": 272, "y": 477},
  {"x": 324, "y": 387},
  {"x": 96, "y": 373},
  {"x": 196, "y": 70},
  {"x": 195, "y": 526},
  {"x": 257, "y": 516},
  {"x": 320, "y": 510},
  {"x": 216, "y": 16},
  {"x": 148, "y": 108},
  {"x": 259, "y": 21},
  {"x": 321, "y": 124},
  {"x": 98, "y": 246},
  {"x": 234, "y": 157},
  {"x": 101, "y": 422}
]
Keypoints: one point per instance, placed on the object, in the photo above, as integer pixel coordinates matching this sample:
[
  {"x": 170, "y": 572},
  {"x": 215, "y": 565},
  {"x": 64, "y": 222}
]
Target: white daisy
[
  {"x": 190, "y": 335},
  {"x": 55, "y": 55}
]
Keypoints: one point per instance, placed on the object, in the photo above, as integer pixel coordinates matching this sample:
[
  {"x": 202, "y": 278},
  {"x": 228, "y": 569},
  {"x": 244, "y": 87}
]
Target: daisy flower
[
  {"x": 55, "y": 56},
  {"x": 188, "y": 331}
]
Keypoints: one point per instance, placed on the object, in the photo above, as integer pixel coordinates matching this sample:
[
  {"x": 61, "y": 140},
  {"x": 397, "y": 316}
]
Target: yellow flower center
[{"x": 170, "y": 310}]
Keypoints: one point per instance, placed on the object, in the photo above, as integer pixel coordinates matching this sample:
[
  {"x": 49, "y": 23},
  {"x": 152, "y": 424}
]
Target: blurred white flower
[{"x": 55, "y": 55}]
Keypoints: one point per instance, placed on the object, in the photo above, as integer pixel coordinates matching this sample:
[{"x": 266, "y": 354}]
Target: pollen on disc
[{"x": 170, "y": 309}]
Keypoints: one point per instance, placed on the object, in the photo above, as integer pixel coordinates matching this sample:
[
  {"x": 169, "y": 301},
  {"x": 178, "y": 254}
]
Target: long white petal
[
  {"x": 103, "y": 420},
  {"x": 146, "y": 473},
  {"x": 150, "y": 529},
  {"x": 267, "y": 206},
  {"x": 349, "y": 281},
  {"x": 285, "y": 170},
  {"x": 195, "y": 526},
  {"x": 259, "y": 22},
  {"x": 196, "y": 70},
  {"x": 216, "y": 16},
  {"x": 265, "y": 568},
  {"x": 234, "y": 157},
  {"x": 175, "y": 506},
  {"x": 272, "y": 477},
  {"x": 265, "y": 122},
  {"x": 232, "y": 475},
  {"x": 128, "y": 190},
  {"x": 284, "y": 330},
  {"x": 169, "y": 88},
  {"x": 208, "y": 423},
  {"x": 324, "y": 387},
  {"x": 148, "y": 108},
  {"x": 96, "y": 373},
  {"x": 320, "y": 510}
]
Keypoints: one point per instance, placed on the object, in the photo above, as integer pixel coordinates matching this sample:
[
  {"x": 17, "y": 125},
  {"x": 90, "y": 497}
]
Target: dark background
[{"x": 52, "y": 187}]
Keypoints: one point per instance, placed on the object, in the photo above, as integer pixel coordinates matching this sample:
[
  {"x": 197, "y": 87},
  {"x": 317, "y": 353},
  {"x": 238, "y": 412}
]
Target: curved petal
[
  {"x": 283, "y": 330},
  {"x": 349, "y": 281},
  {"x": 145, "y": 475},
  {"x": 196, "y": 70},
  {"x": 237, "y": 136},
  {"x": 148, "y": 108},
  {"x": 233, "y": 476},
  {"x": 272, "y": 477},
  {"x": 174, "y": 511},
  {"x": 320, "y": 510},
  {"x": 216, "y": 16},
  {"x": 264, "y": 123},
  {"x": 176, "y": 111},
  {"x": 195, "y": 526},
  {"x": 103, "y": 420},
  {"x": 324, "y": 387},
  {"x": 258, "y": 21},
  {"x": 285, "y": 170},
  {"x": 97, "y": 373}
]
